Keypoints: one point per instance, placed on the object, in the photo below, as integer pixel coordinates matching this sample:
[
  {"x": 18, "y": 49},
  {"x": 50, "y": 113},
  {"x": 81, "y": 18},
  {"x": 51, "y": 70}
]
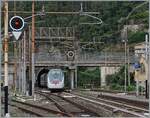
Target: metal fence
[
  {"x": 101, "y": 56},
  {"x": 54, "y": 32}
]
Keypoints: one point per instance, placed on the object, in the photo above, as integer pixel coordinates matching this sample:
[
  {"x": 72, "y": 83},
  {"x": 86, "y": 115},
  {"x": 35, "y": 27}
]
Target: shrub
[{"x": 131, "y": 88}]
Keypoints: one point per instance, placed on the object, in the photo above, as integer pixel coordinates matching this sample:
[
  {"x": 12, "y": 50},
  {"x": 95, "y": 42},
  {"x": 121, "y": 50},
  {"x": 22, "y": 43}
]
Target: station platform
[
  {"x": 126, "y": 96},
  {"x": 120, "y": 96}
]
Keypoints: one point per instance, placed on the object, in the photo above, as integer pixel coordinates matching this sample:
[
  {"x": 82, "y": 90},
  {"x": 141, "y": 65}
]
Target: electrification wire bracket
[{"x": 82, "y": 13}]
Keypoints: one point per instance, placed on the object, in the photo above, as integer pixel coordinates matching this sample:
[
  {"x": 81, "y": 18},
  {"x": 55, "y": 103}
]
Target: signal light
[
  {"x": 70, "y": 54},
  {"x": 16, "y": 23}
]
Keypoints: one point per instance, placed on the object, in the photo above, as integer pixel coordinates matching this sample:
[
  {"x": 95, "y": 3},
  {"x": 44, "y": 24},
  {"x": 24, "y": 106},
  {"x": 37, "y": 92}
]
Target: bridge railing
[
  {"x": 86, "y": 57},
  {"x": 100, "y": 56},
  {"x": 48, "y": 57},
  {"x": 54, "y": 32}
]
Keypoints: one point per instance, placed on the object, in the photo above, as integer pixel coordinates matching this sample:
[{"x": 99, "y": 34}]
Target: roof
[{"x": 141, "y": 43}]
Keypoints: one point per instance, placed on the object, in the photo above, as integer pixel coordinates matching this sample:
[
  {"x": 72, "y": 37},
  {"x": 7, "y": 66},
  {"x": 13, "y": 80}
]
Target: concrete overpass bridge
[
  {"x": 108, "y": 64},
  {"x": 85, "y": 59},
  {"x": 61, "y": 47}
]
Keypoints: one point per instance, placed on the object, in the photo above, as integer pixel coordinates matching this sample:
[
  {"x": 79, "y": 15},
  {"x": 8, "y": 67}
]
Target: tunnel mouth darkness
[{"x": 43, "y": 71}]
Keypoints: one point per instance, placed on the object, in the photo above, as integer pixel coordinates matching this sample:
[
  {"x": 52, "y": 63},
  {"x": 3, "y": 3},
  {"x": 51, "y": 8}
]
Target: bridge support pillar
[
  {"x": 72, "y": 78},
  {"x": 76, "y": 78},
  {"x": 103, "y": 76}
]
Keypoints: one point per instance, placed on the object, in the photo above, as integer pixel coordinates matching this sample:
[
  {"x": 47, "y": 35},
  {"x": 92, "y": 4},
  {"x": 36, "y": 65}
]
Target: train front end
[{"x": 55, "y": 79}]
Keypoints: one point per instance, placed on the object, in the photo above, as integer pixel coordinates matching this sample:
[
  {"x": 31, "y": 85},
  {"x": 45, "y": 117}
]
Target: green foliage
[
  {"x": 116, "y": 81},
  {"x": 112, "y": 14},
  {"x": 136, "y": 37},
  {"x": 116, "y": 87},
  {"x": 141, "y": 15},
  {"x": 86, "y": 76},
  {"x": 116, "y": 78},
  {"x": 131, "y": 88}
]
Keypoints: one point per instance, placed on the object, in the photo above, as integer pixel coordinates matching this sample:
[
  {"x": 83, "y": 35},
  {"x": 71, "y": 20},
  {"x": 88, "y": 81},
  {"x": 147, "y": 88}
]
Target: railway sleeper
[
  {"x": 118, "y": 111},
  {"x": 29, "y": 110},
  {"x": 99, "y": 111},
  {"x": 128, "y": 107},
  {"x": 141, "y": 104},
  {"x": 58, "y": 105},
  {"x": 44, "y": 108}
]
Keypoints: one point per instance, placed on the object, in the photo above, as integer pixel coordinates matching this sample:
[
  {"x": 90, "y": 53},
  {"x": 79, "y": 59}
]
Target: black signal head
[{"x": 16, "y": 23}]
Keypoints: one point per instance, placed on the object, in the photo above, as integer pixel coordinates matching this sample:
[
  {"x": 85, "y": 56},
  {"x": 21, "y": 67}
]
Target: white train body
[{"x": 55, "y": 79}]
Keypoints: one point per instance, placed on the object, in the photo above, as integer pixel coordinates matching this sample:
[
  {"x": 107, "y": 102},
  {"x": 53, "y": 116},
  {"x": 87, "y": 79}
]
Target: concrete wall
[{"x": 107, "y": 71}]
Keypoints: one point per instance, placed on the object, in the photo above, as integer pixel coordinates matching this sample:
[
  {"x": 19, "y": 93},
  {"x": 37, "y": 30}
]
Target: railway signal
[
  {"x": 16, "y": 24},
  {"x": 70, "y": 54}
]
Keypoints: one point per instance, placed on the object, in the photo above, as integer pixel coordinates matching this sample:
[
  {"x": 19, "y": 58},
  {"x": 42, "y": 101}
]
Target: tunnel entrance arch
[{"x": 42, "y": 71}]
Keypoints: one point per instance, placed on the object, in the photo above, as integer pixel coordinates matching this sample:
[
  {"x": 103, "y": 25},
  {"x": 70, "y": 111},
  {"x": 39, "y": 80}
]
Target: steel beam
[{"x": 59, "y": 13}]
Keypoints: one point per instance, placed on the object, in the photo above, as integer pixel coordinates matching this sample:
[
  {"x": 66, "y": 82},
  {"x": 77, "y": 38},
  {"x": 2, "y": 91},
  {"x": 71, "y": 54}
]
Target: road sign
[
  {"x": 16, "y": 34},
  {"x": 16, "y": 24},
  {"x": 137, "y": 65}
]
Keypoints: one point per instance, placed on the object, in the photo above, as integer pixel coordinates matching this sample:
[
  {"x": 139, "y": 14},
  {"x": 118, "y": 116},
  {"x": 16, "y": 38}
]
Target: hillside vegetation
[{"x": 112, "y": 14}]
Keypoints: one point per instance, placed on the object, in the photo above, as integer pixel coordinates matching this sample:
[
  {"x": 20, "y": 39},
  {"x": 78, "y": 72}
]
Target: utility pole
[
  {"x": 0, "y": 61},
  {"x": 146, "y": 58},
  {"x": 33, "y": 47},
  {"x": 22, "y": 65},
  {"x": 15, "y": 54},
  {"x": 125, "y": 68},
  {"x": 103, "y": 81},
  {"x": 19, "y": 67},
  {"x": 125, "y": 73},
  {"x": 15, "y": 66},
  {"x": 32, "y": 76},
  {"x": 149, "y": 60},
  {"x": 6, "y": 57},
  {"x": 30, "y": 66},
  {"x": 128, "y": 55},
  {"x": 25, "y": 61},
  {"x": 149, "y": 65}
]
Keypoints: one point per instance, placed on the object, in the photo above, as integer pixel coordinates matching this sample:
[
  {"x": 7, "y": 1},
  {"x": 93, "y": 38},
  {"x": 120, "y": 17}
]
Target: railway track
[
  {"x": 131, "y": 102},
  {"x": 74, "y": 110},
  {"x": 77, "y": 105},
  {"x": 37, "y": 110},
  {"x": 56, "y": 101},
  {"x": 114, "y": 106},
  {"x": 30, "y": 109}
]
